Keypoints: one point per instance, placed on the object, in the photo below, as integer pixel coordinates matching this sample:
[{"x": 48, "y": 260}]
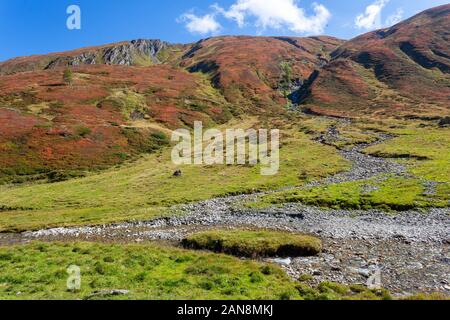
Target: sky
[{"x": 43, "y": 26}]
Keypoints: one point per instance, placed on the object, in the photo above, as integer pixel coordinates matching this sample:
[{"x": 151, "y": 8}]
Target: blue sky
[{"x": 39, "y": 26}]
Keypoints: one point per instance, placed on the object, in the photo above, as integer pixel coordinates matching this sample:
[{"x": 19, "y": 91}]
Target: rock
[
  {"x": 336, "y": 268},
  {"x": 444, "y": 122},
  {"x": 120, "y": 54},
  {"x": 177, "y": 173},
  {"x": 106, "y": 293},
  {"x": 415, "y": 266},
  {"x": 317, "y": 273},
  {"x": 283, "y": 262}
]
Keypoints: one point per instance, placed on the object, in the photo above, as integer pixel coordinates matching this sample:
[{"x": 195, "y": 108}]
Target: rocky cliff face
[
  {"x": 136, "y": 52},
  {"x": 127, "y": 54}
]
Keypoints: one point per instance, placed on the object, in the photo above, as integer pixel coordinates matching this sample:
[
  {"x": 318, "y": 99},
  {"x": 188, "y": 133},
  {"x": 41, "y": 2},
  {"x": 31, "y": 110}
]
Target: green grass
[
  {"x": 391, "y": 194},
  {"x": 430, "y": 144},
  {"x": 260, "y": 243},
  {"x": 424, "y": 150},
  {"x": 38, "y": 271},
  {"x": 148, "y": 271},
  {"x": 143, "y": 189},
  {"x": 436, "y": 296}
]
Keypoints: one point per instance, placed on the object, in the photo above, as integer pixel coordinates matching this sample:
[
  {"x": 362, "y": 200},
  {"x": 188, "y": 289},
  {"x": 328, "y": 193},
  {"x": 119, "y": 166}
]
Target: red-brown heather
[
  {"x": 48, "y": 125},
  {"x": 247, "y": 69},
  {"x": 109, "y": 113},
  {"x": 398, "y": 71}
]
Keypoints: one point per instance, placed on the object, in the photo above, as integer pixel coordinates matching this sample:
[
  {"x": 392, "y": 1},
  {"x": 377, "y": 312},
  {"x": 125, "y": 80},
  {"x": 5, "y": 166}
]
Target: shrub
[
  {"x": 82, "y": 131},
  {"x": 68, "y": 77}
]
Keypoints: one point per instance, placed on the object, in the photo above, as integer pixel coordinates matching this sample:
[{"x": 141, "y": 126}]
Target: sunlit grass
[{"x": 122, "y": 193}]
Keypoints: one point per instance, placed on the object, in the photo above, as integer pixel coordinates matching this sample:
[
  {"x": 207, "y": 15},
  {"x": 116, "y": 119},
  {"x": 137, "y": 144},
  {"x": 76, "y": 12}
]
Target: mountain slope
[
  {"x": 402, "y": 70},
  {"x": 123, "y": 95},
  {"x": 107, "y": 115},
  {"x": 250, "y": 71},
  {"x": 140, "y": 52}
]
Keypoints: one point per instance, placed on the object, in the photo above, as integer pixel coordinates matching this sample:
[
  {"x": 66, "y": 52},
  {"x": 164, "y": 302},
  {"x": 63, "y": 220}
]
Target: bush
[
  {"x": 68, "y": 77},
  {"x": 82, "y": 131},
  {"x": 142, "y": 141}
]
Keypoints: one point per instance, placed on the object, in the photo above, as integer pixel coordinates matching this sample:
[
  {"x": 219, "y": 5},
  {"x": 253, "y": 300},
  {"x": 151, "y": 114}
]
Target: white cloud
[
  {"x": 371, "y": 19},
  {"x": 395, "y": 18},
  {"x": 278, "y": 14},
  {"x": 203, "y": 25}
]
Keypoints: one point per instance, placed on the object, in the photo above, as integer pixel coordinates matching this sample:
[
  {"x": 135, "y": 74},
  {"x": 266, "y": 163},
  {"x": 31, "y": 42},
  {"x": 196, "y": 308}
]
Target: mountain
[
  {"x": 248, "y": 70},
  {"x": 251, "y": 71},
  {"x": 399, "y": 71},
  {"x": 122, "y": 97},
  {"x": 136, "y": 52}
]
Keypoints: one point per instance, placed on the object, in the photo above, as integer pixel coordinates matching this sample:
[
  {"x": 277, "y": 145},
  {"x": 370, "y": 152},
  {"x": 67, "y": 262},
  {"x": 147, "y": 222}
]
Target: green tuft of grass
[
  {"x": 435, "y": 296},
  {"x": 334, "y": 291},
  {"x": 261, "y": 243}
]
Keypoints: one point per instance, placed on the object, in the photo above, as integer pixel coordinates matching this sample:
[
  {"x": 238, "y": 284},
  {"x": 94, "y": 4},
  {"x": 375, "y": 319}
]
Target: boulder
[
  {"x": 444, "y": 122},
  {"x": 177, "y": 173}
]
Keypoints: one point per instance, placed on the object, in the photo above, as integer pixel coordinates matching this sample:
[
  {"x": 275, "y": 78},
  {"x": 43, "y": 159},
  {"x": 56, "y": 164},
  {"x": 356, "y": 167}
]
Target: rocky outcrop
[
  {"x": 126, "y": 54},
  {"x": 136, "y": 52}
]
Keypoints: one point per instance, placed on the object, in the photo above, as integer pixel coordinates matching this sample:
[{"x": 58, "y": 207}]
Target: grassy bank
[
  {"x": 251, "y": 243},
  {"x": 39, "y": 271},
  {"x": 422, "y": 148},
  {"x": 385, "y": 193}
]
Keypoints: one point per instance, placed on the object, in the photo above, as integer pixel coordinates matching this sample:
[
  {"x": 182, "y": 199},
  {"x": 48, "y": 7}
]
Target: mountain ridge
[
  {"x": 123, "y": 95},
  {"x": 404, "y": 69}
]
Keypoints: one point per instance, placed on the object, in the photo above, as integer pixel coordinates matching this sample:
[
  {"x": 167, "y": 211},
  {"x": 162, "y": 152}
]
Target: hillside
[
  {"x": 258, "y": 71},
  {"x": 137, "y": 52},
  {"x": 125, "y": 95},
  {"x": 400, "y": 71},
  {"x": 107, "y": 115}
]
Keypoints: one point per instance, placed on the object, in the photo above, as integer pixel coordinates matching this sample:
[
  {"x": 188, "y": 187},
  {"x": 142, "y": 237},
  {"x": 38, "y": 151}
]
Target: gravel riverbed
[{"x": 410, "y": 249}]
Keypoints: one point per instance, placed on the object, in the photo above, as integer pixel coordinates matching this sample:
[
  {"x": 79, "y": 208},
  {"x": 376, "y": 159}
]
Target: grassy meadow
[
  {"x": 144, "y": 189},
  {"x": 149, "y": 271},
  {"x": 423, "y": 149}
]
